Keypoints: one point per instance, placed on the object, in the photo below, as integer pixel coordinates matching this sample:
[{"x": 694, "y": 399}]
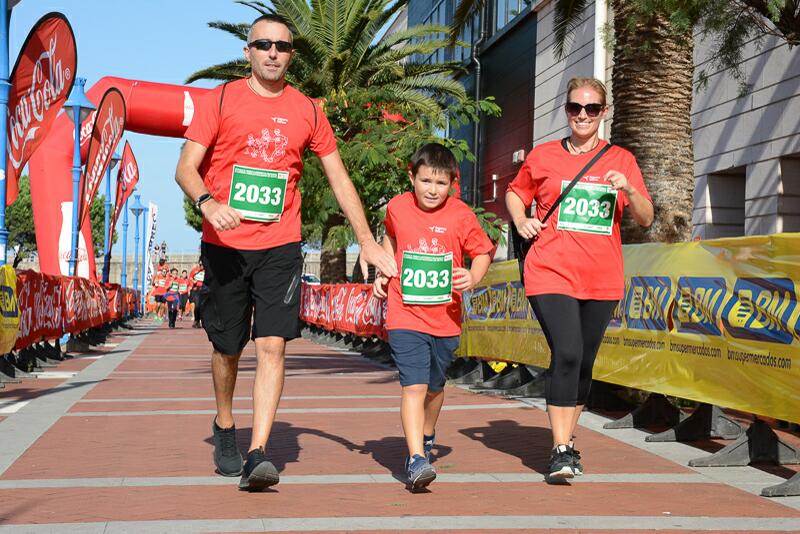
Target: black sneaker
[
  {"x": 577, "y": 466},
  {"x": 427, "y": 445},
  {"x": 560, "y": 465},
  {"x": 258, "y": 472},
  {"x": 227, "y": 457}
]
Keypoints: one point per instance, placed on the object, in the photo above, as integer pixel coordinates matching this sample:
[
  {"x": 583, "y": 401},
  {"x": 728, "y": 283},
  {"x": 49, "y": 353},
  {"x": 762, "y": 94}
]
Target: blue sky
[{"x": 158, "y": 41}]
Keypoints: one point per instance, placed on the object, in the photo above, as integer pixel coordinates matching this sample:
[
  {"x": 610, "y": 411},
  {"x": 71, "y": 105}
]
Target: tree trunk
[
  {"x": 652, "y": 91},
  {"x": 332, "y": 262}
]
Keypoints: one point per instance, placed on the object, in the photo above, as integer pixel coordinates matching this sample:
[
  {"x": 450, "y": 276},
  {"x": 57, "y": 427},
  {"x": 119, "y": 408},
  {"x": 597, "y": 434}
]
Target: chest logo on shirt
[
  {"x": 434, "y": 248},
  {"x": 437, "y": 229},
  {"x": 269, "y": 147},
  {"x": 280, "y": 120}
]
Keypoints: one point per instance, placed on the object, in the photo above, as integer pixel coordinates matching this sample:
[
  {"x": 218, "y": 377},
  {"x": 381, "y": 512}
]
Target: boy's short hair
[{"x": 436, "y": 156}]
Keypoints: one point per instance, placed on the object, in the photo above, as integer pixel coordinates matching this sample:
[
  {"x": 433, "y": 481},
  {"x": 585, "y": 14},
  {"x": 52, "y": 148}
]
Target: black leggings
[{"x": 574, "y": 330}]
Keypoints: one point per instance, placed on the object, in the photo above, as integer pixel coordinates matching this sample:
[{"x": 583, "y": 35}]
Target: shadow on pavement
[{"x": 531, "y": 444}]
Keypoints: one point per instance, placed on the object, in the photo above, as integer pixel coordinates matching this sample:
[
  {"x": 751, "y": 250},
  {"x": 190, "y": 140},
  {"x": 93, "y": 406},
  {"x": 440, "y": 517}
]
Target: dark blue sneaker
[
  {"x": 258, "y": 473},
  {"x": 420, "y": 472},
  {"x": 427, "y": 445}
]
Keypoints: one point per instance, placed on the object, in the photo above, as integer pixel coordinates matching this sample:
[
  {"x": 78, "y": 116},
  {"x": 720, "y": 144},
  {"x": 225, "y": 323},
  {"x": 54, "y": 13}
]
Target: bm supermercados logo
[
  {"x": 760, "y": 309},
  {"x": 8, "y": 304},
  {"x": 646, "y": 302},
  {"x": 698, "y": 302}
]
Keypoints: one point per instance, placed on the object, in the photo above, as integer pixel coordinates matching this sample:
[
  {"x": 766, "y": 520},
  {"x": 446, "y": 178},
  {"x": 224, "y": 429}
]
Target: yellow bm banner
[{"x": 713, "y": 321}]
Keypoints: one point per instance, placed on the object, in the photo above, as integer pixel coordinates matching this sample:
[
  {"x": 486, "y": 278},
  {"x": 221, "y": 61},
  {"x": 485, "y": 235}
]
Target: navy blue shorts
[{"x": 422, "y": 358}]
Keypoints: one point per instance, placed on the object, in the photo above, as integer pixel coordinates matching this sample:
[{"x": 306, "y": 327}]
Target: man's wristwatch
[{"x": 205, "y": 197}]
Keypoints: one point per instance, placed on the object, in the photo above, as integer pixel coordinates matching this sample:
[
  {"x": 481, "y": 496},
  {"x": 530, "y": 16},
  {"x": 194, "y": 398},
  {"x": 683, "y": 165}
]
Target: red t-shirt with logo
[
  {"x": 183, "y": 285},
  {"x": 240, "y": 127},
  {"x": 196, "y": 276},
  {"x": 452, "y": 227},
  {"x": 574, "y": 262},
  {"x": 159, "y": 284}
]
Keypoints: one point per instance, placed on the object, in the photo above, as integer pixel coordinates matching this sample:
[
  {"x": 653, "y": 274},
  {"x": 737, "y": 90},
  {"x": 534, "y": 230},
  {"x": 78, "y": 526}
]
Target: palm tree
[
  {"x": 652, "y": 84},
  {"x": 341, "y": 60}
]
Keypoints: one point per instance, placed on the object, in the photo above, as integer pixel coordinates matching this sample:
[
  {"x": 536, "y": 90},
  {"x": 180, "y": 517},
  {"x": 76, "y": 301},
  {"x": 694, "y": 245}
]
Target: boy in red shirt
[
  {"x": 159, "y": 289},
  {"x": 428, "y": 232}
]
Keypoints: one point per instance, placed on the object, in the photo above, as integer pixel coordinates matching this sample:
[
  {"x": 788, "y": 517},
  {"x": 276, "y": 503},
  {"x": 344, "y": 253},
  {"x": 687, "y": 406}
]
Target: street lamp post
[
  {"x": 80, "y": 107},
  {"x": 137, "y": 210},
  {"x": 124, "y": 276},
  {"x": 5, "y": 89},
  {"x": 145, "y": 244},
  {"x": 115, "y": 157}
]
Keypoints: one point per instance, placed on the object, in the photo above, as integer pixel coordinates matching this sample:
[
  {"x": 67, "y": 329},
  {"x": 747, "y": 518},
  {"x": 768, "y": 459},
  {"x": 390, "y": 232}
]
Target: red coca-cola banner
[
  {"x": 41, "y": 305},
  {"x": 40, "y": 84},
  {"x": 85, "y": 304},
  {"x": 109, "y": 123},
  {"x": 127, "y": 178},
  {"x": 349, "y": 308}
]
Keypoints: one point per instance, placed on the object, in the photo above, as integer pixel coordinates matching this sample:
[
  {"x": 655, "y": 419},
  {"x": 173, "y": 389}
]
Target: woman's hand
[
  {"x": 619, "y": 182},
  {"x": 529, "y": 228},
  {"x": 379, "y": 286},
  {"x": 462, "y": 279}
]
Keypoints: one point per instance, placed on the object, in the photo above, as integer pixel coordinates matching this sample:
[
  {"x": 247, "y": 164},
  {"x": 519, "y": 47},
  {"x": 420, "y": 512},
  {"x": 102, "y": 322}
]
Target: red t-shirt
[
  {"x": 196, "y": 276},
  {"x": 159, "y": 284},
  {"x": 269, "y": 133},
  {"x": 452, "y": 227},
  {"x": 183, "y": 285},
  {"x": 573, "y": 262}
]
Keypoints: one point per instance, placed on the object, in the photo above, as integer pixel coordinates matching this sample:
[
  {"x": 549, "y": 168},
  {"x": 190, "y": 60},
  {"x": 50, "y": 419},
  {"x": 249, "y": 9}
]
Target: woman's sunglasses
[
  {"x": 266, "y": 45},
  {"x": 592, "y": 110}
]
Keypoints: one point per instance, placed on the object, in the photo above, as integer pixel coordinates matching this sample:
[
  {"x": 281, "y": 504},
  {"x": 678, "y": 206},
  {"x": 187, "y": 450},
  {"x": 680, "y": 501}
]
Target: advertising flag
[
  {"x": 109, "y": 123},
  {"x": 127, "y": 178},
  {"x": 40, "y": 84}
]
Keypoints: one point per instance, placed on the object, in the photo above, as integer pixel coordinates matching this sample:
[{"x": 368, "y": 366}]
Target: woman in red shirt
[{"x": 574, "y": 274}]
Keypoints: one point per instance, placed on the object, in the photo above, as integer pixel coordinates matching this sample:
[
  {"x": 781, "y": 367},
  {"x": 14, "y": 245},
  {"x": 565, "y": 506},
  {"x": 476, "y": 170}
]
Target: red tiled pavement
[{"x": 171, "y": 365}]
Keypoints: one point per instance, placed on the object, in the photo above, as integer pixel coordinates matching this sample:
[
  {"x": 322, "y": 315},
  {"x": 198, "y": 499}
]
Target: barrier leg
[
  {"x": 655, "y": 410},
  {"x": 41, "y": 356},
  {"x": 605, "y": 396},
  {"x": 481, "y": 372},
  {"x": 460, "y": 367},
  {"x": 379, "y": 352},
  {"x": 531, "y": 388},
  {"x": 790, "y": 488},
  {"x": 76, "y": 344},
  {"x": 759, "y": 444},
  {"x": 9, "y": 372},
  {"x": 706, "y": 422}
]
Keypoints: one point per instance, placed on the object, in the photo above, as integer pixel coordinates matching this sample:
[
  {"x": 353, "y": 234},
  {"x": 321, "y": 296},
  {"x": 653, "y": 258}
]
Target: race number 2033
[
  {"x": 258, "y": 194},
  {"x": 588, "y": 208},
  {"x": 426, "y": 278}
]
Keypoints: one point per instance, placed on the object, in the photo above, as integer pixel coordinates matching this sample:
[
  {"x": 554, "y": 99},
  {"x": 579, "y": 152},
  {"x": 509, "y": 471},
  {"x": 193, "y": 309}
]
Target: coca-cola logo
[
  {"x": 110, "y": 132},
  {"x": 48, "y": 85},
  {"x": 129, "y": 173}
]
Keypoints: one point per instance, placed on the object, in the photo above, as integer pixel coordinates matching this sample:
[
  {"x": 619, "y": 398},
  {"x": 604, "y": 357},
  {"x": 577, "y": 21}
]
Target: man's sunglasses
[
  {"x": 266, "y": 45},
  {"x": 592, "y": 110}
]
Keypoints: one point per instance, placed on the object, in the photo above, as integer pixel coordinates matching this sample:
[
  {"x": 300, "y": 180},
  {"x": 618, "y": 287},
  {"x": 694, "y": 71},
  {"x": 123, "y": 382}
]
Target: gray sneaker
[
  {"x": 227, "y": 457},
  {"x": 420, "y": 473},
  {"x": 560, "y": 465},
  {"x": 427, "y": 445}
]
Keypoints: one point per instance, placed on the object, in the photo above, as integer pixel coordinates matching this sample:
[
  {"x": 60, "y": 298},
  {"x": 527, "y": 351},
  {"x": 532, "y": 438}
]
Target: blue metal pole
[
  {"x": 124, "y": 276},
  {"x": 136, "y": 253},
  {"x": 145, "y": 244},
  {"x": 106, "y": 244},
  {"x": 76, "y": 182},
  {"x": 5, "y": 88}
]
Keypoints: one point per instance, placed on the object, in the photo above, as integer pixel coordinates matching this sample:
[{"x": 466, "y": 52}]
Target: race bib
[
  {"x": 588, "y": 208},
  {"x": 183, "y": 288},
  {"x": 201, "y": 276},
  {"x": 173, "y": 287},
  {"x": 258, "y": 194},
  {"x": 426, "y": 278},
  {"x": 162, "y": 283}
]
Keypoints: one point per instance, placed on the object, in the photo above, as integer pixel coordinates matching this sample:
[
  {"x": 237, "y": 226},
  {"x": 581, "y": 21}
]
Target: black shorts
[
  {"x": 244, "y": 287},
  {"x": 160, "y": 298},
  {"x": 184, "y": 300}
]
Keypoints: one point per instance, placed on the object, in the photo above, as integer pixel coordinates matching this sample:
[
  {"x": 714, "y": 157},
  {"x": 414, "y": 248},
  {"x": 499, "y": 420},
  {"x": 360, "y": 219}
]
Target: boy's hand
[
  {"x": 379, "y": 286},
  {"x": 462, "y": 279}
]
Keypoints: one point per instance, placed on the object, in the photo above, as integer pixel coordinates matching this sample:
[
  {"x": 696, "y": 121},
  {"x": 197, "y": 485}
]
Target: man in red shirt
[
  {"x": 183, "y": 289},
  {"x": 159, "y": 290},
  {"x": 240, "y": 165},
  {"x": 196, "y": 277}
]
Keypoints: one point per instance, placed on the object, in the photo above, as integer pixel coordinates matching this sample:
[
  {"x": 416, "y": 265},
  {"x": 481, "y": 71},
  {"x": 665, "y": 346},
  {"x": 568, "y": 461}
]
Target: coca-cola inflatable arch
[{"x": 152, "y": 108}]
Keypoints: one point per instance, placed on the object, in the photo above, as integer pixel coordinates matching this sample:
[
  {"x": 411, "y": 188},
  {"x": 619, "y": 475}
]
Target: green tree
[
  {"x": 382, "y": 102},
  {"x": 192, "y": 215},
  {"x": 22, "y": 232}
]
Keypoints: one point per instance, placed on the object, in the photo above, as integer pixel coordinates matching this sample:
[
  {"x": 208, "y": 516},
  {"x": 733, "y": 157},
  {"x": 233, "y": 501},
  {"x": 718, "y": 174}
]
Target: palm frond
[
  {"x": 465, "y": 9},
  {"x": 236, "y": 68},
  {"x": 567, "y": 16},
  {"x": 237, "y": 30}
]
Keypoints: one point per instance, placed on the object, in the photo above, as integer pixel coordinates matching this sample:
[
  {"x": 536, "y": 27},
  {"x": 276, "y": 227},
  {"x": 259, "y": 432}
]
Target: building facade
[{"x": 747, "y": 148}]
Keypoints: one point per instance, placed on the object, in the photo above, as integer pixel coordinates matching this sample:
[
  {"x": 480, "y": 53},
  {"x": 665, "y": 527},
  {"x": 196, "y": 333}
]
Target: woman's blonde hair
[{"x": 597, "y": 85}]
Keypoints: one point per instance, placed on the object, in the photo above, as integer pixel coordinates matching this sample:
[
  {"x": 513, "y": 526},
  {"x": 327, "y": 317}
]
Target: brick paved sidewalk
[{"x": 119, "y": 441}]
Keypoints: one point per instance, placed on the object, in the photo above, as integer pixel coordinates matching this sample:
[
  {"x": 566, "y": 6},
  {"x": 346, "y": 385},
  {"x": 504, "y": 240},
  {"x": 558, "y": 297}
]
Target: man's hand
[
  {"x": 373, "y": 254},
  {"x": 221, "y": 216},
  {"x": 379, "y": 287},
  {"x": 462, "y": 279}
]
